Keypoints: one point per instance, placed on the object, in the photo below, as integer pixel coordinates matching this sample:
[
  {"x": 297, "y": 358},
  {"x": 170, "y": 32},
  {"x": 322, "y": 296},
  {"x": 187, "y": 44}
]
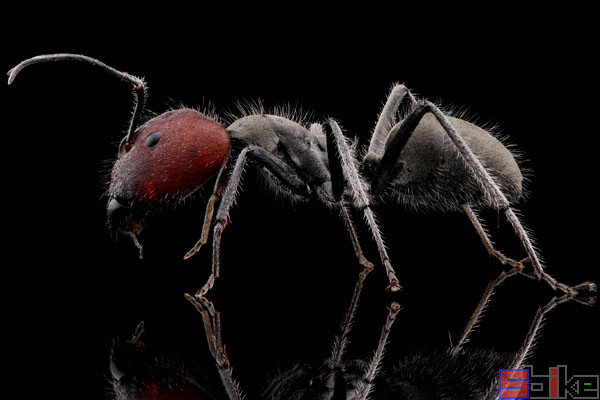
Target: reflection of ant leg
[
  {"x": 212, "y": 326},
  {"x": 341, "y": 341},
  {"x": 534, "y": 329},
  {"x": 474, "y": 320},
  {"x": 364, "y": 387},
  {"x": 523, "y": 353}
]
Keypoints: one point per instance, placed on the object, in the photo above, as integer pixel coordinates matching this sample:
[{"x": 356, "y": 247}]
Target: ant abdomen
[
  {"x": 431, "y": 173},
  {"x": 468, "y": 375},
  {"x": 307, "y": 382}
]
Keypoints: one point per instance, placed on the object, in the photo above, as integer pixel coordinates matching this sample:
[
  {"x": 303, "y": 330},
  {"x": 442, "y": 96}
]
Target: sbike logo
[{"x": 556, "y": 384}]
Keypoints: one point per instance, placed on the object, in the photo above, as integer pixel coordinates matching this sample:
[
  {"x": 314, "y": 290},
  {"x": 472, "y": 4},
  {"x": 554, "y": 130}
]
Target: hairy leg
[
  {"x": 276, "y": 166},
  {"x": 360, "y": 198},
  {"x": 490, "y": 189}
]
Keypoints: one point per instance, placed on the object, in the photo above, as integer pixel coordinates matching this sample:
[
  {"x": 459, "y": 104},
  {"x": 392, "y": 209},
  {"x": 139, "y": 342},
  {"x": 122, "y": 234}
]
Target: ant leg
[
  {"x": 489, "y": 187},
  {"x": 337, "y": 191},
  {"x": 497, "y": 198},
  {"x": 365, "y": 386},
  {"x": 487, "y": 242},
  {"x": 474, "y": 320},
  {"x": 341, "y": 341},
  {"x": 361, "y": 200},
  {"x": 387, "y": 119},
  {"x": 523, "y": 353},
  {"x": 354, "y": 238},
  {"x": 212, "y": 326},
  {"x": 273, "y": 164},
  {"x": 210, "y": 207},
  {"x": 534, "y": 329}
]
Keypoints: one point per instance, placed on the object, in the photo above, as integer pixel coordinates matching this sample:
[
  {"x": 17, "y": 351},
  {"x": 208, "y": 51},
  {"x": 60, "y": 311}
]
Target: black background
[{"x": 288, "y": 271}]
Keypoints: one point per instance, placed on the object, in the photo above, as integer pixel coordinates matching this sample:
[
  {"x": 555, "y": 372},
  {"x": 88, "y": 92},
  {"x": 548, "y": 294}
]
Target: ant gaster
[{"x": 425, "y": 159}]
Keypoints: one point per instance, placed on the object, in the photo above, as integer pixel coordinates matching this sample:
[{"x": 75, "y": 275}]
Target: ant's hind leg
[
  {"x": 534, "y": 329},
  {"x": 490, "y": 189},
  {"x": 487, "y": 242},
  {"x": 536, "y": 324},
  {"x": 387, "y": 119},
  {"x": 496, "y": 198}
]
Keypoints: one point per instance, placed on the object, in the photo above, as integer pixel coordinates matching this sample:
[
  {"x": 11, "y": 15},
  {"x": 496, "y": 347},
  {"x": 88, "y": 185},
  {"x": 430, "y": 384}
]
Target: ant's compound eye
[{"x": 153, "y": 138}]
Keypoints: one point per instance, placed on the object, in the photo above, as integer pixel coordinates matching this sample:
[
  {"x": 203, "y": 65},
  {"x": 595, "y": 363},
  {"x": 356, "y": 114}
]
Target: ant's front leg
[
  {"x": 274, "y": 165},
  {"x": 210, "y": 209}
]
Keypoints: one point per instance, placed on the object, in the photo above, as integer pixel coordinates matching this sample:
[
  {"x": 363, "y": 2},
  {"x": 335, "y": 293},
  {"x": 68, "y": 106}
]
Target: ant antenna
[{"x": 138, "y": 83}]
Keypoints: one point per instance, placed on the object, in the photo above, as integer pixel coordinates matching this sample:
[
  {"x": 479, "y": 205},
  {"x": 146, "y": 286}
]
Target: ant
[
  {"x": 423, "y": 158},
  {"x": 457, "y": 372}
]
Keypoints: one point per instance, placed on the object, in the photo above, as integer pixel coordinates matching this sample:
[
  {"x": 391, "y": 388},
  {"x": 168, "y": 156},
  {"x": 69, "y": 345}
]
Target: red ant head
[{"x": 164, "y": 161}]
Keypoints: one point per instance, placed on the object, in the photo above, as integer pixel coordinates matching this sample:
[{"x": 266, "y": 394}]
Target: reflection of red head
[
  {"x": 139, "y": 375},
  {"x": 159, "y": 390}
]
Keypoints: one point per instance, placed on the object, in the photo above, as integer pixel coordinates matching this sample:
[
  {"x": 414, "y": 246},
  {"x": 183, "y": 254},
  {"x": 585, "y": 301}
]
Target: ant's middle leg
[
  {"x": 342, "y": 159},
  {"x": 365, "y": 386},
  {"x": 341, "y": 341}
]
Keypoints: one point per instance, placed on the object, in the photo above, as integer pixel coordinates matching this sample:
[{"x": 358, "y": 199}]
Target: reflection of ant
[
  {"x": 461, "y": 372},
  {"x": 456, "y": 373},
  {"x": 138, "y": 375},
  {"x": 426, "y": 159}
]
